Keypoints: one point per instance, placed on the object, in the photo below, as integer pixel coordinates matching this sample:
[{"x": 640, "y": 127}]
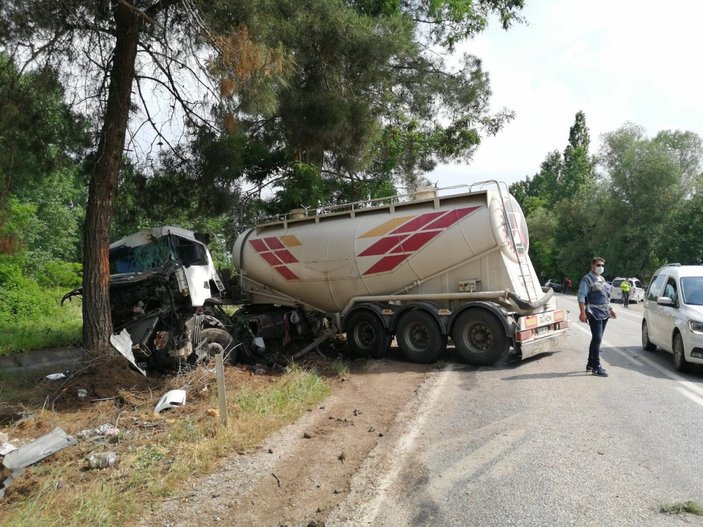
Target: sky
[{"x": 618, "y": 61}]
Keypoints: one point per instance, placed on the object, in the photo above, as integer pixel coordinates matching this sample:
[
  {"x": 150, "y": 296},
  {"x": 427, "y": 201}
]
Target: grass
[
  {"x": 60, "y": 327},
  {"x": 340, "y": 368},
  {"x": 690, "y": 507},
  {"x": 158, "y": 454}
]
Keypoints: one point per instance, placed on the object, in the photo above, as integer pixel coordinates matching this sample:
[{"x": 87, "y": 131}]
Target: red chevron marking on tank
[{"x": 410, "y": 237}]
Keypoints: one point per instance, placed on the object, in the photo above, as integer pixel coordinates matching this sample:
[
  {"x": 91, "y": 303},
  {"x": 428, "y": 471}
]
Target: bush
[
  {"x": 24, "y": 300},
  {"x": 61, "y": 274}
]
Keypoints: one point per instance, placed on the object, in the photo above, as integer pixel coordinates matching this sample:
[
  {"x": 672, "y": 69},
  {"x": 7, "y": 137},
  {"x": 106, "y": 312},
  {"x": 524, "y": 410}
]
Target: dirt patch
[
  {"x": 300, "y": 474},
  {"x": 296, "y": 477}
]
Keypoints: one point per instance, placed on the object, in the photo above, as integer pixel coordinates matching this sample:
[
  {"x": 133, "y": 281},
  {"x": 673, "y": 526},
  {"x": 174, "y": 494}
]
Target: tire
[
  {"x": 213, "y": 341},
  {"x": 479, "y": 337},
  {"x": 680, "y": 362},
  {"x": 647, "y": 344},
  {"x": 366, "y": 335},
  {"x": 419, "y": 337}
]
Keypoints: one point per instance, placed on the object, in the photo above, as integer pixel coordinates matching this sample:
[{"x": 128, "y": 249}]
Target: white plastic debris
[
  {"x": 6, "y": 448},
  {"x": 170, "y": 399},
  {"x": 122, "y": 342},
  {"x": 102, "y": 459},
  {"x": 55, "y": 376}
]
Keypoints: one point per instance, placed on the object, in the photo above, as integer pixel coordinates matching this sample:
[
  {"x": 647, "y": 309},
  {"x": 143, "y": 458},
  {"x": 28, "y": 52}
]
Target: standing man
[
  {"x": 594, "y": 307},
  {"x": 625, "y": 288}
]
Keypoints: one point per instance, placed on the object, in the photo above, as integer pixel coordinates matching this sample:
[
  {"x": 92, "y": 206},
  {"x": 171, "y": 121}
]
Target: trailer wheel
[
  {"x": 419, "y": 337},
  {"x": 213, "y": 341},
  {"x": 366, "y": 335},
  {"x": 479, "y": 337}
]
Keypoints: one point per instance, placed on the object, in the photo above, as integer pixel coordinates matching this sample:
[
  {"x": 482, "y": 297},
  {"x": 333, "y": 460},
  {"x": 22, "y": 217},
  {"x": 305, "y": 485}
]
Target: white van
[
  {"x": 636, "y": 290},
  {"x": 673, "y": 314}
]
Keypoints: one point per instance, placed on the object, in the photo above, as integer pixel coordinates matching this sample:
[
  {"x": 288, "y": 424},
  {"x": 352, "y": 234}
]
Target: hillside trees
[
  {"x": 41, "y": 140},
  {"x": 651, "y": 199},
  {"x": 558, "y": 202}
]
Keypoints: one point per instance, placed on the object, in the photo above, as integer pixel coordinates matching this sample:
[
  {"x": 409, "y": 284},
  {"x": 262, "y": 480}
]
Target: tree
[
  {"x": 648, "y": 182},
  {"x": 556, "y": 202},
  {"x": 108, "y": 45},
  {"x": 368, "y": 102},
  {"x": 40, "y": 141}
]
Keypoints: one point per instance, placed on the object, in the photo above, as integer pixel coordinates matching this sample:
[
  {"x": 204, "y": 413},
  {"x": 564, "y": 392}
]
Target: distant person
[
  {"x": 625, "y": 287},
  {"x": 567, "y": 285},
  {"x": 594, "y": 308}
]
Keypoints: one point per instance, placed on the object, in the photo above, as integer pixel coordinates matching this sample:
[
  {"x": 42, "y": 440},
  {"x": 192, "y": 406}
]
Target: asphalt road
[{"x": 542, "y": 442}]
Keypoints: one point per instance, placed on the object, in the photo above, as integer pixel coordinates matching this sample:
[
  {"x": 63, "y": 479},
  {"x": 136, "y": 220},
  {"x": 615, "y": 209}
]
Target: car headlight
[{"x": 695, "y": 326}]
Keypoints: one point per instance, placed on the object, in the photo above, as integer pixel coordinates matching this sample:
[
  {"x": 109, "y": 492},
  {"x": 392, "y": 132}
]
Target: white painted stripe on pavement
[{"x": 684, "y": 384}]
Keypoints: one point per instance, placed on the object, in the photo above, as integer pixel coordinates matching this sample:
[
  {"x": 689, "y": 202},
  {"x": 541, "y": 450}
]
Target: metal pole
[{"x": 220, "y": 373}]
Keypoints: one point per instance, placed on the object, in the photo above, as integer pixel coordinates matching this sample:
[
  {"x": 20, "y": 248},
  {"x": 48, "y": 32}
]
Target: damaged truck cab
[{"x": 165, "y": 293}]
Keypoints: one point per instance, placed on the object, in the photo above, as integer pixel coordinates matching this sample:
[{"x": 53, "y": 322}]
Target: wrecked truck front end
[
  {"x": 163, "y": 328},
  {"x": 164, "y": 299}
]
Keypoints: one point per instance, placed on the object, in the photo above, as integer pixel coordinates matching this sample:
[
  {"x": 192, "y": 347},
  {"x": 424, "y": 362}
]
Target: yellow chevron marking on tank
[
  {"x": 386, "y": 227},
  {"x": 290, "y": 240}
]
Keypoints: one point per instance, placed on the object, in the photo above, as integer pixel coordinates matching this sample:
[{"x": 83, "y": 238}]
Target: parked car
[
  {"x": 673, "y": 314},
  {"x": 636, "y": 290},
  {"x": 554, "y": 284}
]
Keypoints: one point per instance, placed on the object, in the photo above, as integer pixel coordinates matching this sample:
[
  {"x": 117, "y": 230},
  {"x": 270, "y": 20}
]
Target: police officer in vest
[
  {"x": 594, "y": 307},
  {"x": 625, "y": 288}
]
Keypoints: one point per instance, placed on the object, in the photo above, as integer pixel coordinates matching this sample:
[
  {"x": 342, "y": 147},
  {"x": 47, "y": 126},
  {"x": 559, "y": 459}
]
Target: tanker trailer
[{"x": 436, "y": 265}]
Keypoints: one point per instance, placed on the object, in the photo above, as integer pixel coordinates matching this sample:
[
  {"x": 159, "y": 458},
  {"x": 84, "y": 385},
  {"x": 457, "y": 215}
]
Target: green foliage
[
  {"x": 61, "y": 274},
  {"x": 22, "y": 298},
  {"x": 365, "y": 107},
  {"x": 645, "y": 209}
]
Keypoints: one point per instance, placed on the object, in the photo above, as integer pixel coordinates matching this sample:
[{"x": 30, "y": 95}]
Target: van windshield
[{"x": 692, "y": 290}]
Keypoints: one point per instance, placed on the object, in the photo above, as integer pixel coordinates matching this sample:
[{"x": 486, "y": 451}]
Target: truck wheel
[
  {"x": 213, "y": 341},
  {"x": 419, "y": 337},
  {"x": 366, "y": 335},
  {"x": 479, "y": 337}
]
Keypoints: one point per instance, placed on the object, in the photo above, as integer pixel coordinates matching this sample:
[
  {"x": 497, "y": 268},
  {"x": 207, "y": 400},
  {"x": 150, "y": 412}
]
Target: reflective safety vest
[{"x": 625, "y": 286}]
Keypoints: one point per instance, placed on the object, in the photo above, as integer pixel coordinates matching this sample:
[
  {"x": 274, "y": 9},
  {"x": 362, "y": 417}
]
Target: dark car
[{"x": 554, "y": 284}]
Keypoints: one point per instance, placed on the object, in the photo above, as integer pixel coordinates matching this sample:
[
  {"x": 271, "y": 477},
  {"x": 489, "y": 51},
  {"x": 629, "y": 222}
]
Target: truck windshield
[
  {"x": 155, "y": 254},
  {"x": 143, "y": 258}
]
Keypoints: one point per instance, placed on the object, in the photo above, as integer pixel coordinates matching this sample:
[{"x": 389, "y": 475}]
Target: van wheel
[
  {"x": 366, "y": 335},
  {"x": 479, "y": 337},
  {"x": 419, "y": 337},
  {"x": 680, "y": 361},
  {"x": 646, "y": 343}
]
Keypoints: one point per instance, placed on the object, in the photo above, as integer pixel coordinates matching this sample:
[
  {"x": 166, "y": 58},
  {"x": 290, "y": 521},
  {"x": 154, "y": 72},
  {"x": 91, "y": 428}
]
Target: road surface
[{"x": 542, "y": 442}]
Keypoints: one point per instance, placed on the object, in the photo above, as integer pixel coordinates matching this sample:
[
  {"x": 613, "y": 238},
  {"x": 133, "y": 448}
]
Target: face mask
[{"x": 599, "y": 269}]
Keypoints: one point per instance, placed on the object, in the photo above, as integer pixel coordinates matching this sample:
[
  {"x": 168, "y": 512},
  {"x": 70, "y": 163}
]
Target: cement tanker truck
[{"x": 426, "y": 268}]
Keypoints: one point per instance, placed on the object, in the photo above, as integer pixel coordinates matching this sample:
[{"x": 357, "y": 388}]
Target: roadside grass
[
  {"x": 340, "y": 368},
  {"x": 59, "y": 327},
  {"x": 690, "y": 507},
  {"x": 157, "y": 453}
]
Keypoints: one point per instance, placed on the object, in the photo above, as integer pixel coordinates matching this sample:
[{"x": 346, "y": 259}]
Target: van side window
[
  {"x": 670, "y": 291},
  {"x": 655, "y": 287}
]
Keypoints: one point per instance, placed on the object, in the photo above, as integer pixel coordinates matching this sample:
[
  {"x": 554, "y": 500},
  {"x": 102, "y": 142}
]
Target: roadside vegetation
[{"x": 156, "y": 453}]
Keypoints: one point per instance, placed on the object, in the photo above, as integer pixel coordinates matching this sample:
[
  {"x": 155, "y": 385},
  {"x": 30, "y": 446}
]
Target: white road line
[
  {"x": 693, "y": 397},
  {"x": 684, "y": 385}
]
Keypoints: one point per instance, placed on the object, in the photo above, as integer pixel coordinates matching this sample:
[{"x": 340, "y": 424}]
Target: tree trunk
[{"x": 97, "y": 322}]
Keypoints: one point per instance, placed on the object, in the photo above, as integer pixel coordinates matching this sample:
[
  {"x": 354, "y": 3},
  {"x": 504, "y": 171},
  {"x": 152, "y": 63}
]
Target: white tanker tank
[{"x": 424, "y": 267}]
